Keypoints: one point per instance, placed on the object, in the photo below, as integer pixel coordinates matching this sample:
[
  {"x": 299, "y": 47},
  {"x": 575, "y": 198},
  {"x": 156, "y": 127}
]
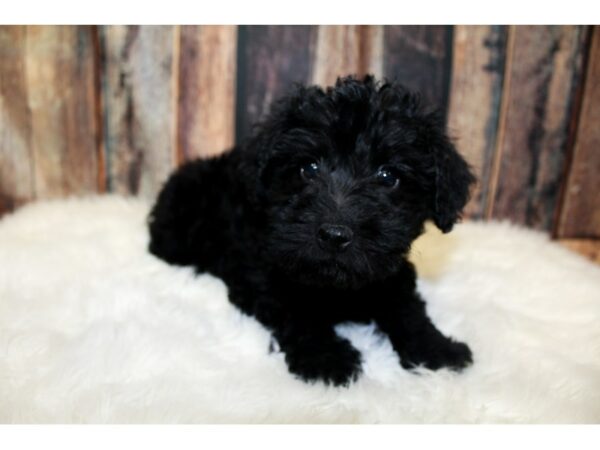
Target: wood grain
[
  {"x": 206, "y": 90},
  {"x": 347, "y": 50},
  {"x": 140, "y": 103},
  {"x": 61, "y": 98},
  {"x": 476, "y": 89},
  {"x": 590, "y": 248},
  {"x": 580, "y": 215},
  {"x": 16, "y": 159},
  {"x": 544, "y": 70},
  {"x": 420, "y": 58},
  {"x": 81, "y": 107},
  {"x": 371, "y": 50},
  {"x": 270, "y": 60}
]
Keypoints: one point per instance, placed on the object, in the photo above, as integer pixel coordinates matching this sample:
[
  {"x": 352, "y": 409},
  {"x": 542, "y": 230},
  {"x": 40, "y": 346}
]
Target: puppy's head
[{"x": 348, "y": 176}]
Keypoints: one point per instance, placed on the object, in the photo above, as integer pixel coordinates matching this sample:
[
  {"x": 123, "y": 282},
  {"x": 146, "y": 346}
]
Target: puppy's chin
[
  {"x": 336, "y": 278},
  {"x": 327, "y": 274}
]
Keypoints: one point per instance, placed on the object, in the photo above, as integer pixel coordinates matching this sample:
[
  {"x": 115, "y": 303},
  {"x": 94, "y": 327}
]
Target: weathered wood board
[
  {"x": 50, "y": 129},
  {"x": 16, "y": 156},
  {"x": 544, "y": 66},
  {"x": 207, "y": 81},
  {"x": 139, "y": 80},
  {"x": 476, "y": 89},
  {"x": 580, "y": 214},
  {"x": 343, "y": 50},
  {"x": 270, "y": 59},
  {"x": 419, "y": 57}
]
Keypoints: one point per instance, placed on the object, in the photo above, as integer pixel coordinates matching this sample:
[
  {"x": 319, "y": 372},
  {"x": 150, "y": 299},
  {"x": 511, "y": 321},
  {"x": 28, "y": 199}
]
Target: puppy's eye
[
  {"x": 309, "y": 170},
  {"x": 387, "y": 176}
]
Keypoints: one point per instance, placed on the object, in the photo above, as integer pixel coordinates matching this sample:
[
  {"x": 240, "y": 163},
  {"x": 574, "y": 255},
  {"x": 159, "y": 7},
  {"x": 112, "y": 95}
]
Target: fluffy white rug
[{"x": 94, "y": 329}]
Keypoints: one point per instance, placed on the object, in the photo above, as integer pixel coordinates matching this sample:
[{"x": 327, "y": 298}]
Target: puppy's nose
[{"x": 334, "y": 237}]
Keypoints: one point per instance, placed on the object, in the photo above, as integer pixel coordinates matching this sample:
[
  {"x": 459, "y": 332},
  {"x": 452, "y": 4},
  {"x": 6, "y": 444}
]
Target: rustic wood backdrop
[{"x": 87, "y": 109}]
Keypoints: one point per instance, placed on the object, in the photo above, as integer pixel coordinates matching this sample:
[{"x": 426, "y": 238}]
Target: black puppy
[{"x": 310, "y": 221}]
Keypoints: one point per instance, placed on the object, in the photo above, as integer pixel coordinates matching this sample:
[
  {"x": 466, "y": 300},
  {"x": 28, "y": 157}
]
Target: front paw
[
  {"x": 443, "y": 353},
  {"x": 337, "y": 362}
]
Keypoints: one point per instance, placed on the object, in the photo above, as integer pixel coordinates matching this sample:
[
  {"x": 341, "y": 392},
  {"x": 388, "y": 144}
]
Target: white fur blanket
[{"x": 95, "y": 329}]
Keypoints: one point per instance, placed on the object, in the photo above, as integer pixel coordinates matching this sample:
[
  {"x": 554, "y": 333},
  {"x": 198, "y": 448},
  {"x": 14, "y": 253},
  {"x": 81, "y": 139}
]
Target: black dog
[{"x": 310, "y": 221}]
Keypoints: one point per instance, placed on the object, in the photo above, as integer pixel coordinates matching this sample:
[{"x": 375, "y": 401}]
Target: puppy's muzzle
[{"x": 334, "y": 238}]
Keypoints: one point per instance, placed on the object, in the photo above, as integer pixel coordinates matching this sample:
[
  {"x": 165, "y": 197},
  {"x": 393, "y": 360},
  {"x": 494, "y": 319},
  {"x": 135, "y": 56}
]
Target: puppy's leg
[
  {"x": 313, "y": 351},
  {"x": 317, "y": 353},
  {"x": 416, "y": 340}
]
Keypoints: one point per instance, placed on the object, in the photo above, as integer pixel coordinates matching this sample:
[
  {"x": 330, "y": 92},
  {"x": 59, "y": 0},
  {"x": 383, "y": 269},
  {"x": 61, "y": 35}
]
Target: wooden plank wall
[
  {"x": 49, "y": 122},
  {"x": 139, "y": 75},
  {"x": 580, "y": 213},
  {"x": 206, "y": 91},
  {"x": 478, "y": 60},
  {"x": 87, "y": 109},
  {"x": 544, "y": 65},
  {"x": 16, "y": 154}
]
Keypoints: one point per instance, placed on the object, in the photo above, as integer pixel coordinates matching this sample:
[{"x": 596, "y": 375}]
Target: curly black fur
[{"x": 310, "y": 221}]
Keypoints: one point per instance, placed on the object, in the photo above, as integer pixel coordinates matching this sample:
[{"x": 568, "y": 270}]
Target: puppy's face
[{"x": 348, "y": 177}]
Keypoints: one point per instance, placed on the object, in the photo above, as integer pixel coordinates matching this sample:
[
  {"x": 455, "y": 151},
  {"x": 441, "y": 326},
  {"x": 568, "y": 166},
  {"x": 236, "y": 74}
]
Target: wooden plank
[
  {"x": 544, "y": 70},
  {"x": 371, "y": 51},
  {"x": 580, "y": 214},
  {"x": 62, "y": 101},
  {"x": 270, "y": 59},
  {"x": 477, "y": 76},
  {"x": 420, "y": 58},
  {"x": 590, "y": 248},
  {"x": 343, "y": 50},
  {"x": 139, "y": 98},
  {"x": 206, "y": 90},
  {"x": 16, "y": 162},
  {"x": 337, "y": 53}
]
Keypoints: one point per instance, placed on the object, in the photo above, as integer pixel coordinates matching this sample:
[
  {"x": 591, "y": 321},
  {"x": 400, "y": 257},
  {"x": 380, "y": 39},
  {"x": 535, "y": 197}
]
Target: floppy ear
[{"x": 453, "y": 178}]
